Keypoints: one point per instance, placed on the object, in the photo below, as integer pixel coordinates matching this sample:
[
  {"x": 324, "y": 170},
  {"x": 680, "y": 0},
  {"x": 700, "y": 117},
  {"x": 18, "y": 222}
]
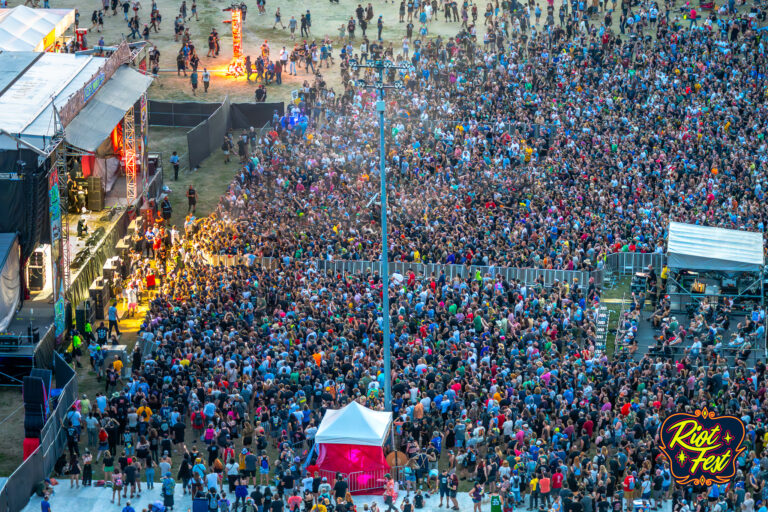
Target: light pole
[{"x": 381, "y": 65}]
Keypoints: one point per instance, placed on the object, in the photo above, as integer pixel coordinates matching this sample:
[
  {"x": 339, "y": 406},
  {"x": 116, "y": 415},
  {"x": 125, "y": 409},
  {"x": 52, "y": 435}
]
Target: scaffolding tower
[{"x": 129, "y": 145}]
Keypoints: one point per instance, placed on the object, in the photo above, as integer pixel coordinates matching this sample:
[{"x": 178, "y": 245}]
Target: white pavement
[{"x": 97, "y": 499}]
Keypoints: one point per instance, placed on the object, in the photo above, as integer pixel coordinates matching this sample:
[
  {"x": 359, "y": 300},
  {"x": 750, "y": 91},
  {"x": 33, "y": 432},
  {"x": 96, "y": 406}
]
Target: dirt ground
[{"x": 326, "y": 19}]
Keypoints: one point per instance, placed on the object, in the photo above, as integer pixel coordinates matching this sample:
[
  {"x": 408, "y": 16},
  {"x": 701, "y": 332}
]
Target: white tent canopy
[
  {"x": 354, "y": 424},
  {"x": 25, "y": 29},
  {"x": 706, "y": 248}
]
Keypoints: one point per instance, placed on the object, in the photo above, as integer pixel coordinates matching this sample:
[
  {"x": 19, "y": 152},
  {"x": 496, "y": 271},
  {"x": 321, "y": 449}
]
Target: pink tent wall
[{"x": 363, "y": 464}]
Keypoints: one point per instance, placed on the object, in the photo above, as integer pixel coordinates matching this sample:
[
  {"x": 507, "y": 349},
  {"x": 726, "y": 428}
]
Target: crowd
[{"x": 546, "y": 148}]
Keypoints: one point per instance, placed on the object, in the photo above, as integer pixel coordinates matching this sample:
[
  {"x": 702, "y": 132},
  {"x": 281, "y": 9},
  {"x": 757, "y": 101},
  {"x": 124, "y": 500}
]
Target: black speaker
[
  {"x": 153, "y": 163},
  {"x": 33, "y": 424},
  {"x": 99, "y": 293},
  {"x": 45, "y": 376},
  {"x": 96, "y": 194},
  {"x": 84, "y": 314},
  {"x": 34, "y": 391}
]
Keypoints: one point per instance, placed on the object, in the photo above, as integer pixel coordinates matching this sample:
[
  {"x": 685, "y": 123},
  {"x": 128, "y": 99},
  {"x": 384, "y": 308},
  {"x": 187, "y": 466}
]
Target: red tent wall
[{"x": 361, "y": 463}]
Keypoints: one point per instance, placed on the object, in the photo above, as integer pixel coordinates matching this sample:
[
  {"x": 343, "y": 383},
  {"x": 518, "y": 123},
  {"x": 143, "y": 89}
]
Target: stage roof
[
  {"x": 25, "y": 104},
  {"x": 95, "y": 122},
  {"x": 32, "y": 80},
  {"x": 694, "y": 247},
  {"x": 23, "y": 29}
]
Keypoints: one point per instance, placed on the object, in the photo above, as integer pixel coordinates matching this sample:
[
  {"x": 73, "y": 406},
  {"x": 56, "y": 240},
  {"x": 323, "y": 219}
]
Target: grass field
[{"x": 210, "y": 179}]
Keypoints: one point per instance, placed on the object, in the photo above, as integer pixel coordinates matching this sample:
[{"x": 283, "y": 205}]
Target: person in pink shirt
[{"x": 295, "y": 501}]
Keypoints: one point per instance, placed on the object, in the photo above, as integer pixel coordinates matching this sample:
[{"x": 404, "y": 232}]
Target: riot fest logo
[{"x": 701, "y": 447}]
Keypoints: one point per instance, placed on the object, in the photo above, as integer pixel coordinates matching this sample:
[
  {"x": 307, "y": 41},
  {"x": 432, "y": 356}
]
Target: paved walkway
[{"x": 98, "y": 499}]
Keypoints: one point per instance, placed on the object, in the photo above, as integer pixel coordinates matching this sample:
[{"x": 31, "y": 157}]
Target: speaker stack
[
  {"x": 84, "y": 314},
  {"x": 36, "y": 388},
  {"x": 96, "y": 194},
  {"x": 99, "y": 293}
]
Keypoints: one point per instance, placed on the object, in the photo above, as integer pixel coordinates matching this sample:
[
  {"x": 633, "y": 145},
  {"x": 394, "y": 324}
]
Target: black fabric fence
[
  {"x": 206, "y": 137},
  {"x": 210, "y": 122},
  {"x": 185, "y": 114},
  {"x": 245, "y": 115},
  {"x": 45, "y": 349},
  {"x": 22, "y": 483}
]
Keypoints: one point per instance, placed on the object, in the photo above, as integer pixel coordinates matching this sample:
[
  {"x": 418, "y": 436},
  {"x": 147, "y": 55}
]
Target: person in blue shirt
[
  {"x": 128, "y": 507},
  {"x": 175, "y": 164},
  {"x": 112, "y": 317}
]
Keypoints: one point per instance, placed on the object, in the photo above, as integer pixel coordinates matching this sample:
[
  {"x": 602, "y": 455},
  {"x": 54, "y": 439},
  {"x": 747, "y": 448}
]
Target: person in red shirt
[
  {"x": 589, "y": 426},
  {"x": 557, "y": 481},
  {"x": 629, "y": 486}
]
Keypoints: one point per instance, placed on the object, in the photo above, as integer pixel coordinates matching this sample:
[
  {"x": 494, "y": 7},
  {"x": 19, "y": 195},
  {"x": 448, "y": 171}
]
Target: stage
[{"x": 105, "y": 228}]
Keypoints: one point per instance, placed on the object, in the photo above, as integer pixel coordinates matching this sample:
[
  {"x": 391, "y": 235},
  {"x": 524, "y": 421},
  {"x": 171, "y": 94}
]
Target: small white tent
[
  {"x": 354, "y": 424},
  {"x": 24, "y": 29},
  {"x": 351, "y": 441}
]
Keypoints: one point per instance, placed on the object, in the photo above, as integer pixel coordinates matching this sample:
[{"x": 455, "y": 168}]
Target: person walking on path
[
  {"x": 191, "y": 199},
  {"x": 175, "y": 164},
  {"x": 193, "y": 81},
  {"x": 113, "y": 320},
  {"x": 206, "y": 80}
]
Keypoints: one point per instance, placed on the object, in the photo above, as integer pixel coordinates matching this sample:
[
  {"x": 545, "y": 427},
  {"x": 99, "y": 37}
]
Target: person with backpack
[
  {"x": 168, "y": 488},
  {"x": 477, "y": 497},
  {"x": 628, "y": 487},
  {"x": 117, "y": 485},
  {"x": 514, "y": 486}
]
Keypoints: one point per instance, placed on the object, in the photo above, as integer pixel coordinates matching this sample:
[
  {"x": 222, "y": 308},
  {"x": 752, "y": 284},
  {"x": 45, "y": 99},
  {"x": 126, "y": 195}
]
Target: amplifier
[{"x": 9, "y": 342}]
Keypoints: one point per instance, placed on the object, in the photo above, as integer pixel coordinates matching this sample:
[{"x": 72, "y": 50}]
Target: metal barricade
[
  {"x": 367, "y": 481},
  {"x": 619, "y": 263}
]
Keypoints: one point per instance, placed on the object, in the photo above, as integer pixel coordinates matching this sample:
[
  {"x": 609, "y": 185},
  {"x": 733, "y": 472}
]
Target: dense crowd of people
[{"x": 528, "y": 148}]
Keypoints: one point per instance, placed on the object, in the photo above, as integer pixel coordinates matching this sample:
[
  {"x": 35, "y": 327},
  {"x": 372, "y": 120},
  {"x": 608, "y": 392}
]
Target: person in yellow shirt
[
  {"x": 144, "y": 410},
  {"x": 534, "y": 499},
  {"x": 117, "y": 364}
]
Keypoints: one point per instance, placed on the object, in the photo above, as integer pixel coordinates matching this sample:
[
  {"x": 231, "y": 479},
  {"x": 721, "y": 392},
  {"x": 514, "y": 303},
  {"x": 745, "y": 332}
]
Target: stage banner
[{"x": 54, "y": 205}]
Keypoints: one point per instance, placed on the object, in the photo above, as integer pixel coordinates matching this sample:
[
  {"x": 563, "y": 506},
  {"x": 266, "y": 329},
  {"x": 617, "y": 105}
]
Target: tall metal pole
[
  {"x": 380, "y": 106},
  {"x": 381, "y": 66}
]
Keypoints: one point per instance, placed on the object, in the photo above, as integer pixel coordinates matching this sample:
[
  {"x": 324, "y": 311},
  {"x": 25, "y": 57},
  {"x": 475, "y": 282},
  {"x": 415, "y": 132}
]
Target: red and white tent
[{"x": 351, "y": 441}]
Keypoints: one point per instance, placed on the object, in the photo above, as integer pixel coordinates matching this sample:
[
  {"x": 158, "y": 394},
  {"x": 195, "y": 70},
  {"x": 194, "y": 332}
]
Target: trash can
[{"x": 200, "y": 503}]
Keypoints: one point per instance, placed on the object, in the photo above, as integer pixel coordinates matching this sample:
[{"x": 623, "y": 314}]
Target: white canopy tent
[
  {"x": 23, "y": 29},
  {"x": 706, "y": 248},
  {"x": 354, "y": 424}
]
